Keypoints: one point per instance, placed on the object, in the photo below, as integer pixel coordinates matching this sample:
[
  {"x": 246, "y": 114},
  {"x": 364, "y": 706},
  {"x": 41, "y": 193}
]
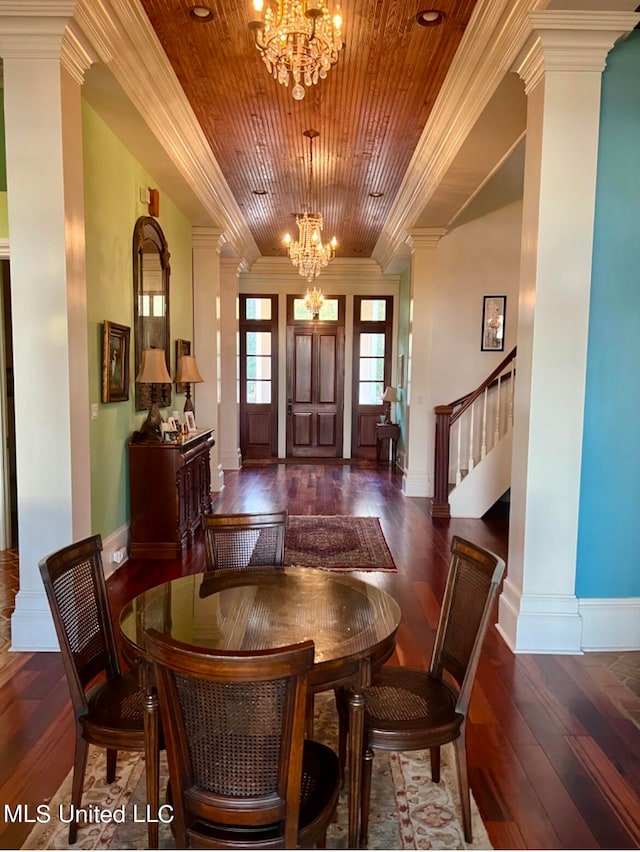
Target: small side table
[{"x": 391, "y": 432}]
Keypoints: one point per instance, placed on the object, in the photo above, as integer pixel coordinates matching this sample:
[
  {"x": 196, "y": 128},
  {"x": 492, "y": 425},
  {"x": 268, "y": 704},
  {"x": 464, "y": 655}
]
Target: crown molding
[
  {"x": 33, "y": 30},
  {"x": 493, "y": 39},
  {"x": 124, "y": 40}
]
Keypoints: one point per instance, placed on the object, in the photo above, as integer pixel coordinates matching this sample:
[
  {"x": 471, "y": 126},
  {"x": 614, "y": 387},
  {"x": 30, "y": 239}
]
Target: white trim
[
  {"x": 231, "y": 460},
  {"x": 610, "y": 624},
  {"x": 117, "y": 540},
  {"x": 32, "y": 624},
  {"x": 539, "y": 624},
  {"x": 217, "y": 483},
  {"x": 416, "y": 485}
]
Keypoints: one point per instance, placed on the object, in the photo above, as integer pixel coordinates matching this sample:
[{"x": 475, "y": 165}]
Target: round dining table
[{"x": 353, "y": 626}]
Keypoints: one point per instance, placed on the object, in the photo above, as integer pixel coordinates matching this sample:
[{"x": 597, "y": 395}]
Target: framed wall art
[
  {"x": 115, "y": 362},
  {"x": 493, "y": 321},
  {"x": 183, "y": 347}
]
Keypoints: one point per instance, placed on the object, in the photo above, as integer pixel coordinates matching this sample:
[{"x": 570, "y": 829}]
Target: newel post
[{"x": 440, "y": 504}]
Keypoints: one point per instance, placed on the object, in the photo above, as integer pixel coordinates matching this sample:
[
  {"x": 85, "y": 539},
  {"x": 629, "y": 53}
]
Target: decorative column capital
[
  {"x": 570, "y": 41},
  {"x": 425, "y": 238},
  {"x": 32, "y": 29},
  {"x": 207, "y": 238}
]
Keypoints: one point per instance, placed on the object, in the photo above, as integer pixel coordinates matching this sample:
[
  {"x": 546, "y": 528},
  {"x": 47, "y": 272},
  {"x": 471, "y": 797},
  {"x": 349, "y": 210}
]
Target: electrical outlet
[{"x": 94, "y": 411}]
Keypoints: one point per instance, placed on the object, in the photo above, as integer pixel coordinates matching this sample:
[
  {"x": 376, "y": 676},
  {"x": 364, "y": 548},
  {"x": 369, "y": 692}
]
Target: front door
[{"x": 315, "y": 381}]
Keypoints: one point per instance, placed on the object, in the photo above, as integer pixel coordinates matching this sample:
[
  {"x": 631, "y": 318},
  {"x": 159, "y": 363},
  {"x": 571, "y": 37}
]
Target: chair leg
[
  {"x": 463, "y": 784},
  {"x": 365, "y": 801},
  {"x": 112, "y": 757},
  {"x": 79, "y": 766},
  {"x": 435, "y": 764}
]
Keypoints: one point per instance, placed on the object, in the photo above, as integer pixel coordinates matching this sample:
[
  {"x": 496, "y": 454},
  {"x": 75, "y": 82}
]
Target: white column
[
  {"x": 418, "y": 476},
  {"x": 562, "y": 71},
  {"x": 206, "y": 244},
  {"x": 42, "y": 79},
  {"x": 229, "y": 421}
]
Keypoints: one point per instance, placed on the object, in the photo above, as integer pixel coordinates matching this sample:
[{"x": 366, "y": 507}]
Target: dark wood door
[{"x": 315, "y": 385}]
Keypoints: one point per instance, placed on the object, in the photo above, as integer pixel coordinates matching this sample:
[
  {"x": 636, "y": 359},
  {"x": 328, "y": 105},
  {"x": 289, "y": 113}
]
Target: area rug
[
  {"x": 337, "y": 542},
  {"x": 408, "y": 811}
]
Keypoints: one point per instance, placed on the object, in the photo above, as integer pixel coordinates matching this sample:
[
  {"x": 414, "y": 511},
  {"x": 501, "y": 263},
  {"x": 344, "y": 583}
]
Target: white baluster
[
  {"x": 458, "y": 471},
  {"x": 483, "y": 448},
  {"x": 496, "y": 434},
  {"x": 470, "y": 461}
]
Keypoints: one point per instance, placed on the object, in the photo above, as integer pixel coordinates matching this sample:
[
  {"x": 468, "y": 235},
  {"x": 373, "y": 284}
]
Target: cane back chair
[
  {"x": 243, "y": 540},
  {"x": 241, "y": 774},
  {"x": 409, "y": 709},
  {"x": 107, "y": 703}
]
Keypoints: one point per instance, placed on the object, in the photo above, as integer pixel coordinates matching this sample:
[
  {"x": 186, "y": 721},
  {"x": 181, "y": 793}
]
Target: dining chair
[
  {"x": 408, "y": 708},
  {"x": 241, "y": 774},
  {"x": 242, "y": 540},
  {"x": 107, "y": 703}
]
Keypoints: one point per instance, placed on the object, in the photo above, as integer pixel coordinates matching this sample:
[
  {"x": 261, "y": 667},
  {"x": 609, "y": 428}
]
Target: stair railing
[{"x": 482, "y": 417}]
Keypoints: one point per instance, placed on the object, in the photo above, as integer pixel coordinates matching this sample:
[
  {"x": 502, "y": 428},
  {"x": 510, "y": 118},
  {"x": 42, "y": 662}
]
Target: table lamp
[
  {"x": 153, "y": 371},
  {"x": 187, "y": 371},
  {"x": 390, "y": 395}
]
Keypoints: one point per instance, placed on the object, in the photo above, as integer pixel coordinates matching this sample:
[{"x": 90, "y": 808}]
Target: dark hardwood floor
[{"x": 553, "y": 746}]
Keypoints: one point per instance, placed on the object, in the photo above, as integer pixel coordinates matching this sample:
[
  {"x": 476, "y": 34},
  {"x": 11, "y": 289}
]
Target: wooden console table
[
  {"x": 169, "y": 488},
  {"x": 390, "y": 432}
]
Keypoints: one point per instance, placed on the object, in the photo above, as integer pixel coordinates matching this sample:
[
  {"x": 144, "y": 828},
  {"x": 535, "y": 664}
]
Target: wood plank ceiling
[{"x": 370, "y": 111}]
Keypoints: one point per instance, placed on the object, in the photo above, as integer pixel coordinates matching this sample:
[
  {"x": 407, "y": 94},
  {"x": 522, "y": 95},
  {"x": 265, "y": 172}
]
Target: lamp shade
[
  {"x": 390, "y": 394},
  {"x": 153, "y": 368},
  {"x": 187, "y": 370}
]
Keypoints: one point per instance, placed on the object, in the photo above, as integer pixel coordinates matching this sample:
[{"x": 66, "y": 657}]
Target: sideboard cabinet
[{"x": 169, "y": 488}]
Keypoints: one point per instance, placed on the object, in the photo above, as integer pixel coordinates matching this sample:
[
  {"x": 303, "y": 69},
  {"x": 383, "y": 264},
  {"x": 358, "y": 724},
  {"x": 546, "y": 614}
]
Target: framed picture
[
  {"x": 493, "y": 317},
  {"x": 173, "y": 425},
  {"x": 400, "y": 376},
  {"x": 183, "y": 347},
  {"x": 115, "y": 362},
  {"x": 191, "y": 421}
]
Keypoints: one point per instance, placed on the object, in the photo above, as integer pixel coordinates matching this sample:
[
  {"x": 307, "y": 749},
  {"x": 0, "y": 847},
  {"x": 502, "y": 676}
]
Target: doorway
[{"x": 315, "y": 379}]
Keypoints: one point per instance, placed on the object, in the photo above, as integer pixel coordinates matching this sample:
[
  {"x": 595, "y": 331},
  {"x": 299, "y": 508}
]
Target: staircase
[{"x": 473, "y": 446}]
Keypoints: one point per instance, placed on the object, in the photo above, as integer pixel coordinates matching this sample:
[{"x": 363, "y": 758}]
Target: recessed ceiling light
[
  {"x": 202, "y": 14},
  {"x": 376, "y": 194},
  {"x": 259, "y": 191},
  {"x": 430, "y": 17}
]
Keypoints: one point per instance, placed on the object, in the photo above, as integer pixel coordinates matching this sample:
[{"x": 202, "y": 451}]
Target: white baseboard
[
  {"x": 539, "y": 624},
  {"x": 416, "y": 485},
  {"x": 116, "y": 541},
  {"x": 610, "y": 624},
  {"x": 231, "y": 460},
  {"x": 31, "y": 623},
  {"x": 217, "y": 479}
]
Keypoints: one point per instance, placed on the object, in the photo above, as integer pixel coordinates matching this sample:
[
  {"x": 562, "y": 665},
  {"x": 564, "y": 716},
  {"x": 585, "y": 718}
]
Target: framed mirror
[{"x": 151, "y": 273}]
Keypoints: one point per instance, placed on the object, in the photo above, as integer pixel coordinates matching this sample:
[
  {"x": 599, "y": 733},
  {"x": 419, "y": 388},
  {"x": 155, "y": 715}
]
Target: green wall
[{"x": 112, "y": 181}]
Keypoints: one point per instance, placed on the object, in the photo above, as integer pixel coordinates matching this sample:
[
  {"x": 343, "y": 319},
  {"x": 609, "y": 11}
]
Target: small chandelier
[
  {"x": 313, "y": 302},
  {"x": 308, "y": 253},
  {"x": 300, "y": 41}
]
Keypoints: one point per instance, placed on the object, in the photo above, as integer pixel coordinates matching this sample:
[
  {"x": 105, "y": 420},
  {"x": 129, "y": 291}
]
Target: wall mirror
[{"x": 151, "y": 272}]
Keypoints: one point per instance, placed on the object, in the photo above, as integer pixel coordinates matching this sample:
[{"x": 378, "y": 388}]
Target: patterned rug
[
  {"x": 408, "y": 811},
  {"x": 337, "y": 542}
]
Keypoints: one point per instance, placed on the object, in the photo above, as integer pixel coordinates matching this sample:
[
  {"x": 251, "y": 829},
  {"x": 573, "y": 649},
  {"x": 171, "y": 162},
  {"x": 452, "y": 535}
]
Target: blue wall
[{"x": 609, "y": 525}]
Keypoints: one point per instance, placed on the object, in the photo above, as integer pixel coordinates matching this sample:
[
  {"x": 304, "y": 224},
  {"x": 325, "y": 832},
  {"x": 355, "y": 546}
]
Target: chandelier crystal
[
  {"x": 308, "y": 253},
  {"x": 299, "y": 41}
]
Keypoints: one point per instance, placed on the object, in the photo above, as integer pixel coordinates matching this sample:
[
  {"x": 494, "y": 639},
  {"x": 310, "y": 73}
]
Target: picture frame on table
[
  {"x": 493, "y": 323},
  {"x": 173, "y": 424},
  {"x": 190, "y": 421},
  {"x": 115, "y": 362},
  {"x": 183, "y": 347}
]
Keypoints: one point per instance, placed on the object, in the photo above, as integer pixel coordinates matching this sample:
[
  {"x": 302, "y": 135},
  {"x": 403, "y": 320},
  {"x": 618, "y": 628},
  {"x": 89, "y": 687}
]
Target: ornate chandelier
[
  {"x": 308, "y": 253},
  {"x": 313, "y": 302},
  {"x": 299, "y": 41}
]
